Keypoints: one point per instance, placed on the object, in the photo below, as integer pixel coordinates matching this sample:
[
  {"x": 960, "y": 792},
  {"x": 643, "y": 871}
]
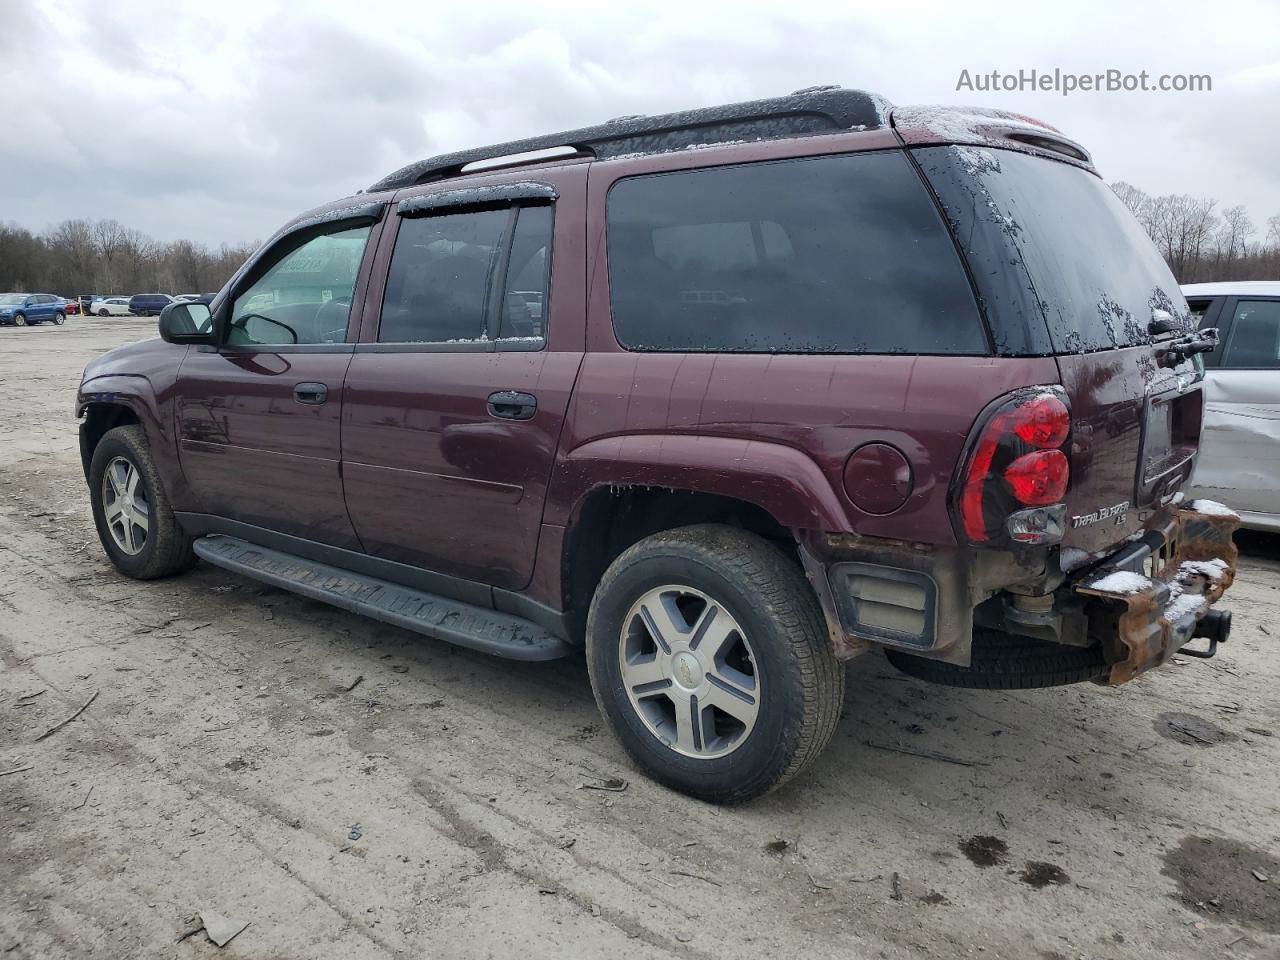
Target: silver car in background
[{"x": 1239, "y": 461}]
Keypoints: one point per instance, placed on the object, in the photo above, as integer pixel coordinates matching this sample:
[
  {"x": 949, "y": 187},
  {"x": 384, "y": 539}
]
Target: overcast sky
[{"x": 219, "y": 120}]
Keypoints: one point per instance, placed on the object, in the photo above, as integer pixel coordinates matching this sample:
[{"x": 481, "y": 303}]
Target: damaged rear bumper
[{"x": 1149, "y": 599}]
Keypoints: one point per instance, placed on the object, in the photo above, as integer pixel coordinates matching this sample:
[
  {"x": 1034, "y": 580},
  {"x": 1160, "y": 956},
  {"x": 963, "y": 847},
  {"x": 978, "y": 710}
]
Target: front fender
[
  {"x": 137, "y": 394},
  {"x": 779, "y": 479}
]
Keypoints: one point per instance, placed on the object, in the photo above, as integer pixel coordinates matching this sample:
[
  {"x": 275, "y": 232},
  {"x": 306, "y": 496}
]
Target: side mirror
[{"x": 186, "y": 323}]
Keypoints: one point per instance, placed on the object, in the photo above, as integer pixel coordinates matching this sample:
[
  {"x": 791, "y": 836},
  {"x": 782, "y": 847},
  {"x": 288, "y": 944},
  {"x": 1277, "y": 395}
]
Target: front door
[
  {"x": 259, "y": 417},
  {"x": 457, "y": 392}
]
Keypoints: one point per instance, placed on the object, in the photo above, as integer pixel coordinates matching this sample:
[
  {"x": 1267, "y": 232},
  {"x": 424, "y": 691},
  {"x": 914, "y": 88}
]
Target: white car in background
[
  {"x": 1239, "y": 460},
  {"x": 110, "y": 307}
]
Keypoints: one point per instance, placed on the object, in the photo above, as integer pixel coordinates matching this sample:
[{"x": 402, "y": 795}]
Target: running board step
[{"x": 490, "y": 631}]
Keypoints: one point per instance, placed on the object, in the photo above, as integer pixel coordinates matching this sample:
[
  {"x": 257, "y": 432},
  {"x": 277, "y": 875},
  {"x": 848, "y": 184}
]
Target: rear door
[
  {"x": 1239, "y": 460},
  {"x": 259, "y": 417},
  {"x": 457, "y": 391}
]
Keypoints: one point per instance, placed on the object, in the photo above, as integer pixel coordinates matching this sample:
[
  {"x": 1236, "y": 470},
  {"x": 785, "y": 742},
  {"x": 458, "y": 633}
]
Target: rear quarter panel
[
  {"x": 796, "y": 420},
  {"x": 797, "y": 417}
]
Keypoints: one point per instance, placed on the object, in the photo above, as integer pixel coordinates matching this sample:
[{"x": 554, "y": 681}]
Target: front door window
[{"x": 305, "y": 297}]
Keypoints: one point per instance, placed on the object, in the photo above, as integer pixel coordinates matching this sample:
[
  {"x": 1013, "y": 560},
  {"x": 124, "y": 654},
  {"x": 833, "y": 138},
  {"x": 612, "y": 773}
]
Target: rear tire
[
  {"x": 745, "y": 634},
  {"x": 59, "y": 318},
  {"x": 134, "y": 519},
  {"x": 1007, "y": 661},
  {"x": 103, "y": 313}
]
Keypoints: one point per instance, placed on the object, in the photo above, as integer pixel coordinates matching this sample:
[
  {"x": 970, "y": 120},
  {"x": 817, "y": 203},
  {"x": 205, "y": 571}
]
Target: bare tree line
[
  {"x": 78, "y": 257},
  {"x": 1201, "y": 243}
]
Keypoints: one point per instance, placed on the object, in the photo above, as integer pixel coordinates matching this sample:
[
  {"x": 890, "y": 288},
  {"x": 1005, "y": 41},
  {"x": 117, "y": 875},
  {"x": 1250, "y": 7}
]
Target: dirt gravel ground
[{"x": 352, "y": 790}]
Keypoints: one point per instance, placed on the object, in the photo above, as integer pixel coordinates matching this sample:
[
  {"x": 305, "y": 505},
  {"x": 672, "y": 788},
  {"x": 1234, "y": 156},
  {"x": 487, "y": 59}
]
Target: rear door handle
[
  {"x": 509, "y": 405},
  {"x": 313, "y": 393}
]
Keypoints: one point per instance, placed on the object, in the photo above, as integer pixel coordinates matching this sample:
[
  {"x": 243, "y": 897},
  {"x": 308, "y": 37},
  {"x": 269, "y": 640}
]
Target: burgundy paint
[
  {"x": 141, "y": 376},
  {"x": 431, "y": 478},
  {"x": 877, "y": 478},
  {"x": 253, "y": 453}
]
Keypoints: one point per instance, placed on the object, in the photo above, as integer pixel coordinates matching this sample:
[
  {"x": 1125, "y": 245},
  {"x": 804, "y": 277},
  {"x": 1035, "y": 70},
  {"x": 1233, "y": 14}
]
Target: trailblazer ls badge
[{"x": 1116, "y": 510}]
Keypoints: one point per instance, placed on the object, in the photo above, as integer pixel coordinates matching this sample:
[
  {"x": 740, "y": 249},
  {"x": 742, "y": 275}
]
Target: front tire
[
  {"x": 20, "y": 319},
  {"x": 131, "y": 509},
  {"x": 710, "y": 661}
]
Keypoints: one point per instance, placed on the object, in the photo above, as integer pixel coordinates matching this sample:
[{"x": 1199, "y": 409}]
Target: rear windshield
[
  {"x": 844, "y": 254},
  {"x": 1081, "y": 260}
]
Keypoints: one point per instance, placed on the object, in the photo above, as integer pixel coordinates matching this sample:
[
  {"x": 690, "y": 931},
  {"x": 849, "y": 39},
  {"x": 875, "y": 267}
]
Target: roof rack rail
[{"x": 808, "y": 112}]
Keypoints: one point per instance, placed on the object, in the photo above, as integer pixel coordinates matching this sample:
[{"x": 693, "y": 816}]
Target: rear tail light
[
  {"x": 1039, "y": 479},
  {"x": 1014, "y": 463}
]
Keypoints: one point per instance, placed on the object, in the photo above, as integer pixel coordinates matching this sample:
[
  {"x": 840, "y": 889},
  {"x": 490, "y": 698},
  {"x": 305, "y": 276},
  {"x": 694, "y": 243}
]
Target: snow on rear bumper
[{"x": 1159, "y": 595}]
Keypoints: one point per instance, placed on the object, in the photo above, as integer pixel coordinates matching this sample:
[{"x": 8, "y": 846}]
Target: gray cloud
[{"x": 220, "y": 121}]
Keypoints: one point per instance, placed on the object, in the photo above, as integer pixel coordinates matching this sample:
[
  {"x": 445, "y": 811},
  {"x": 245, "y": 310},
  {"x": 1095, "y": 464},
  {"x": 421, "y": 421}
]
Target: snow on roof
[{"x": 1228, "y": 287}]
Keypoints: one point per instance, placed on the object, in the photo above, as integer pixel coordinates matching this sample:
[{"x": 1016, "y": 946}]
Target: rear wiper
[
  {"x": 1162, "y": 321},
  {"x": 1181, "y": 349}
]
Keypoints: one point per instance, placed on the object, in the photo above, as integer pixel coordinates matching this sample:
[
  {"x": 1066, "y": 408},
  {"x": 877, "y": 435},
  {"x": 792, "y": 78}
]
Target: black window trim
[
  {"x": 477, "y": 200},
  {"x": 1228, "y": 313},
  {"x": 984, "y": 325}
]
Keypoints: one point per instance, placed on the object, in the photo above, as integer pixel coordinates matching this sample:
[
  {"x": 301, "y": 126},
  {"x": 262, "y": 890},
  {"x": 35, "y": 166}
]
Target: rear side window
[
  {"x": 1255, "y": 336},
  {"x": 839, "y": 254},
  {"x": 1050, "y": 241}
]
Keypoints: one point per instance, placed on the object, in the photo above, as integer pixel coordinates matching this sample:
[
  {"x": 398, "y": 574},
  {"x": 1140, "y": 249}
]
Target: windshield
[
  {"x": 11, "y": 299},
  {"x": 1084, "y": 267}
]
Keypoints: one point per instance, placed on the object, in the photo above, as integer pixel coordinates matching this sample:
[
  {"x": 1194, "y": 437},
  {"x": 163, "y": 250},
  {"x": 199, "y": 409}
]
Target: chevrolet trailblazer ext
[{"x": 724, "y": 397}]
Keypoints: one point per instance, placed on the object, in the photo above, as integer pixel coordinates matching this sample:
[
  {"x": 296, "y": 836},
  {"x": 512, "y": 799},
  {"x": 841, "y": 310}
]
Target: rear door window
[
  {"x": 440, "y": 277},
  {"x": 844, "y": 254},
  {"x": 524, "y": 306},
  {"x": 470, "y": 277},
  {"x": 1254, "y": 342}
]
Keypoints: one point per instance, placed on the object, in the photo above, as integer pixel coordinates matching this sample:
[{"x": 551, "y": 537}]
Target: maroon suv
[{"x": 724, "y": 397}]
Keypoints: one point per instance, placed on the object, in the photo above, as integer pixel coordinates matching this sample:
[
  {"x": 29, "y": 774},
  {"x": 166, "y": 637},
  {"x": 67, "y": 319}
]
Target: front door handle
[
  {"x": 312, "y": 393},
  {"x": 509, "y": 405}
]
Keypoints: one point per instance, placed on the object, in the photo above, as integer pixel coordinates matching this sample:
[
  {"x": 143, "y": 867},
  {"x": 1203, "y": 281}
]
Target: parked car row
[
  {"x": 24, "y": 309},
  {"x": 139, "y": 305}
]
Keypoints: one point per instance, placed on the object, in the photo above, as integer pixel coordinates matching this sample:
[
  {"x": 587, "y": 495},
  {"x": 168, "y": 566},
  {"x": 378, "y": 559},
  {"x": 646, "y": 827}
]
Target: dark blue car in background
[{"x": 28, "y": 308}]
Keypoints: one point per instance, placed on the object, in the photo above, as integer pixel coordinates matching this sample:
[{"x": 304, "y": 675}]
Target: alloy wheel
[
  {"x": 689, "y": 672},
  {"x": 125, "y": 506}
]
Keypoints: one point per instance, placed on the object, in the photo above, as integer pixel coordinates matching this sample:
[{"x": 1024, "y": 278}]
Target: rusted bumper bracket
[{"x": 1159, "y": 595}]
